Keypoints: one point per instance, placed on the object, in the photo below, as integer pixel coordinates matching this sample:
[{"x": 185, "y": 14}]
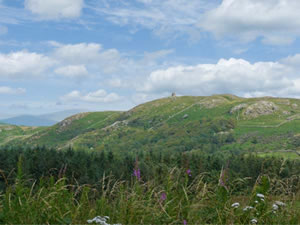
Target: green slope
[
  {"x": 62, "y": 134},
  {"x": 186, "y": 123},
  {"x": 8, "y": 133}
]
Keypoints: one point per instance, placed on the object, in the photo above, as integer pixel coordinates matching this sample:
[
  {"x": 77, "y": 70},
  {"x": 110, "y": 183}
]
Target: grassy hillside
[
  {"x": 9, "y": 133},
  {"x": 65, "y": 133},
  {"x": 182, "y": 123}
]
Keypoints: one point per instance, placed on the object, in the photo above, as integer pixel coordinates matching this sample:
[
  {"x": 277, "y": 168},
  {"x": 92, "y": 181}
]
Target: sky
[{"x": 101, "y": 55}]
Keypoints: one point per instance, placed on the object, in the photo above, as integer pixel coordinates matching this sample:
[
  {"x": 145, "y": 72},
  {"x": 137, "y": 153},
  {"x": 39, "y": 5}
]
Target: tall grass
[{"x": 172, "y": 198}]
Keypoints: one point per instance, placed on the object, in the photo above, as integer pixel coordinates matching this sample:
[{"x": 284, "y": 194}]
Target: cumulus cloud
[
  {"x": 23, "y": 64},
  {"x": 55, "y": 9},
  {"x": 293, "y": 61},
  {"x": 76, "y": 53},
  {"x": 235, "y": 76},
  {"x": 72, "y": 71},
  {"x": 11, "y": 91},
  {"x": 82, "y": 60},
  {"x": 108, "y": 61},
  {"x": 277, "y": 21},
  {"x": 99, "y": 96}
]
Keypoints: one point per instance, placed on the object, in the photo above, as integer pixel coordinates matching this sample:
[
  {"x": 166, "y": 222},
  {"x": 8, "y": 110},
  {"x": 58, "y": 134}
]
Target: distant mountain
[
  {"x": 29, "y": 120},
  {"x": 40, "y": 120},
  {"x": 5, "y": 116},
  {"x": 59, "y": 116}
]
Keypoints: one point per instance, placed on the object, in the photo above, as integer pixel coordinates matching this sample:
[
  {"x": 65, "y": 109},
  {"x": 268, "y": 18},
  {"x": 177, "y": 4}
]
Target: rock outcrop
[
  {"x": 260, "y": 108},
  {"x": 238, "y": 108},
  {"x": 63, "y": 125}
]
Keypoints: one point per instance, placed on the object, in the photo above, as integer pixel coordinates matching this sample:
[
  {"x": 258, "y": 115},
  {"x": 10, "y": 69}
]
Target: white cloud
[
  {"x": 55, "y": 9},
  {"x": 167, "y": 18},
  {"x": 293, "y": 61},
  {"x": 72, "y": 71},
  {"x": 92, "y": 54},
  {"x": 277, "y": 21},
  {"x": 99, "y": 96},
  {"x": 83, "y": 60},
  {"x": 23, "y": 64},
  {"x": 76, "y": 53},
  {"x": 12, "y": 91},
  {"x": 107, "y": 61},
  {"x": 235, "y": 76}
]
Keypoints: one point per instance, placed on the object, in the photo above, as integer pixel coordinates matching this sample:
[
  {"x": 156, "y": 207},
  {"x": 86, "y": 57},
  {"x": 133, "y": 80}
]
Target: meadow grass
[{"x": 174, "y": 198}]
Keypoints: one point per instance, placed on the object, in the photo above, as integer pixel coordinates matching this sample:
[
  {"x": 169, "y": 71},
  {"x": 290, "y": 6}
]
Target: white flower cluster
[
  {"x": 279, "y": 203},
  {"x": 100, "y": 220},
  {"x": 235, "y": 205},
  {"x": 276, "y": 206},
  {"x": 253, "y": 221},
  {"x": 261, "y": 197},
  {"x": 247, "y": 208}
]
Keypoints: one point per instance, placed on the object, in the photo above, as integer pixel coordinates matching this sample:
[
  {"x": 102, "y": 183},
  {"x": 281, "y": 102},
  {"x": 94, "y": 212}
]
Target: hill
[
  {"x": 10, "y": 133},
  {"x": 188, "y": 123}
]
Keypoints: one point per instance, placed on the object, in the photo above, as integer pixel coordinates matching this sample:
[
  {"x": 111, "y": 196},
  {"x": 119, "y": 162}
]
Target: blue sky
[{"x": 114, "y": 54}]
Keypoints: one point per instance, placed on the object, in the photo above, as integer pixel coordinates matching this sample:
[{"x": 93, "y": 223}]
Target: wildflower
[
  {"x": 136, "y": 170},
  {"x": 184, "y": 222},
  {"x": 247, "y": 208},
  {"x": 189, "y": 172},
  {"x": 235, "y": 205},
  {"x": 275, "y": 207},
  {"x": 279, "y": 203},
  {"x": 254, "y": 221},
  {"x": 137, "y": 173},
  {"x": 256, "y": 201},
  {"x": 222, "y": 179},
  {"x": 100, "y": 220},
  {"x": 261, "y": 196},
  {"x": 163, "y": 196}
]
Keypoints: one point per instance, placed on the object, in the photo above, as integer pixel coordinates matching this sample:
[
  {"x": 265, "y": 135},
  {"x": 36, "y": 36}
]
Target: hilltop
[{"x": 186, "y": 123}]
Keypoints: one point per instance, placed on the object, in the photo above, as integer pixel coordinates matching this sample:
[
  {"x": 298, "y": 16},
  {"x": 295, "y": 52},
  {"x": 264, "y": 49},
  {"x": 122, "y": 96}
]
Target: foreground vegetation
[
  {"x": 41, "y": 186},
  {"x": 176, "y": 200}
]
